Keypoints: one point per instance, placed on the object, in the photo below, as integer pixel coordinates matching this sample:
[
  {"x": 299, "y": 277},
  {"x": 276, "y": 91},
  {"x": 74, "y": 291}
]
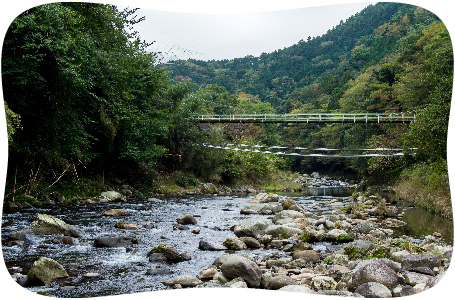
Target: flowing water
[{"x": 123, "y": 270}]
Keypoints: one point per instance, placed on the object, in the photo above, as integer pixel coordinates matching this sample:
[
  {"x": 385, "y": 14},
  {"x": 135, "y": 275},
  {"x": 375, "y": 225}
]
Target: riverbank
[{"x": 314, "y": 243}]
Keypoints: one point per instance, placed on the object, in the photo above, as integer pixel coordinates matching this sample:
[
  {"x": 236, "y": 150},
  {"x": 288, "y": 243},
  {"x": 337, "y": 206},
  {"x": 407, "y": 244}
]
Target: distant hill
[{"x": 330, "y": 60}]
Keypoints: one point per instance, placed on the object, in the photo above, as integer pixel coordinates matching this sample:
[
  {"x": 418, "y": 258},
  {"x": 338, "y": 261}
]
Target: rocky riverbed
[{"x": 311, "y": 244}]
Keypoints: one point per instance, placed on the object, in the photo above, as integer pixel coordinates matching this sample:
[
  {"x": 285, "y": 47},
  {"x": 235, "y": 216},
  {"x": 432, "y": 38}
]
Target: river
[{"x": 123, "y": 270}]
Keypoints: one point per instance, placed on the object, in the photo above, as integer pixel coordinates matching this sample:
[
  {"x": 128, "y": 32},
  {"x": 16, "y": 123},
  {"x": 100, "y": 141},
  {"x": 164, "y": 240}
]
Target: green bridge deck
[{"x": 308, "y": 118}]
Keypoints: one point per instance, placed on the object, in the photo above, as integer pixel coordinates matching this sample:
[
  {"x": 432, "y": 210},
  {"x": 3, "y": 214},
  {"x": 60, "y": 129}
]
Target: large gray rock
[
  {"x": 374, "y": 271},
  {"x": 44, "y": 270},
  {"x": 116, "y": 212},
  {"x": 250, "y": 242},
  {"x": 265, "y": 198},
  {"x": 309, "y": 255},
  {"x": 45, "y": 224},
  {"x": 334, "y": 234},
  {"x": 184, "y": 281},
  {"x": 287, "y": 214},
  {"x": 283, "y": 231},
  {"x": 112, "y": 196},
  {"x": 115, "y": 241},
  {"x": 296, "y": 288},
  {"x": 225, "y": 257},
  {"x": 323, "y": 283},
  {"x": 186, "y": 220},
  {"x": 363, "y": 227},
  {"x": 261, "y": 209},
  {"x": 238, "y": 266},
  {"x": 209, "y": 246},
  {"x": 414, "y": 261},
  {"x": 374, "y": 290},
  {"x": 171, "y": 254},
  {"x": 277, "y": 282},
  {"x": 234, "y": 244},
  {"x": 252, "y": 227}
]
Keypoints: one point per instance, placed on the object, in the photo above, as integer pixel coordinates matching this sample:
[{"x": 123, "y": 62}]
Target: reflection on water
[{"x": 333, "y": 191}]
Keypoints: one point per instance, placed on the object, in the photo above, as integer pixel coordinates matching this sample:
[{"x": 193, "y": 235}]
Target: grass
[
  {"x": 427, "y": 185},
  {"x": 283, "y": 181}
]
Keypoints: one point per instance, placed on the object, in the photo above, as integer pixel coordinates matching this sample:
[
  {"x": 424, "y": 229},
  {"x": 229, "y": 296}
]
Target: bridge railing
[{"x": 308, "y": 118}]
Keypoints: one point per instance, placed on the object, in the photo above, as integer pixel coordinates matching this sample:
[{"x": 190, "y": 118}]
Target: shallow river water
[{"x": 123, "y": 270}]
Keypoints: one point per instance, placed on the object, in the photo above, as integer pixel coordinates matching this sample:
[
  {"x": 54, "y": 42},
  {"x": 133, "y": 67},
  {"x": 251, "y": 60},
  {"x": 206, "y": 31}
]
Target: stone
[
  {"x": 398, "y": 256},
  {"x": 117, "y": 212},
  {"x": 209, "y": 246},
  {"x": 171, "y": 254},
  {"x": 252, "y": 227},
  {"x": 250, "y": 242},
  {"x": 309, "y": 255},
  {"x": 115, "y": 241},
  {"x": 218, "y": 276},
  {"x": 207, "y": 273},
  {"x": 184, "y": 281},
  {"x": 363, "y": 227},
  {"x": 112, "y": 196},
  {"x": 413, "y": 278},
  {"x": 265, "y": 198},
  {"x": 225, "y": 257},
  {"x": 277, "y": 282},
  {"x": 261, "y": 208},
  {"x": 334, "y": 234},
  {"x": 283, "y": 231},
  {"x": 91, "y": 275},
  {"x": 323, "y": 283},
  {"x": 128, "y": 226},
  {"x": 400, "y": 291},
  {"x": 66, "y": 240},
  {"x": 287, "y": 214},
  {"x": 415, "y": 261},
  {"x": 234, "y": 244},
  {"x": 159, "y": 270},
  {"x": 44, "y": 270},
  {"x": 239, "y": 266},
  {"x": 157, "y": 257},
  {"x": 374, "y": 290},
  {"x": 339, "y": 293},
  {"x": 25, "y": 235},
  {"x": 374, "y": 271},
  {"x": 186, "y": 220},
  {"x": 45, "y": 224},
  {"x": 296, "y": 288}
]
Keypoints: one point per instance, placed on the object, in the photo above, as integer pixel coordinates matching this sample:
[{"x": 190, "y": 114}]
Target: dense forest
[{"x": 88, "y": 106}]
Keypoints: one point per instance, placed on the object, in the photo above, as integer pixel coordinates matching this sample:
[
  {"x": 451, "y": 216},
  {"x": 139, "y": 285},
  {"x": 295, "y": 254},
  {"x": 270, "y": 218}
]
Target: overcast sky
[{"x": 227, "y": 36}]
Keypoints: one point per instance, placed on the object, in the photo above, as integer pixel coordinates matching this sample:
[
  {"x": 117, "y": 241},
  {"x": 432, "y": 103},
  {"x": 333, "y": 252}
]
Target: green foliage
[{"x": 344, "y": 238}]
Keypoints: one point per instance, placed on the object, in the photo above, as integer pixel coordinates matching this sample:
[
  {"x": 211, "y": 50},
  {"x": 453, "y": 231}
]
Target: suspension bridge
[
  {"x": 353, "y": 118},
  {"x": 374, "y": 118}
]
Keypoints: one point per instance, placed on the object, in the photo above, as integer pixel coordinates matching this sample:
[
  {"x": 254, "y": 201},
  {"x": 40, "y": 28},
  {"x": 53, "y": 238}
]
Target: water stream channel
[{"x": 123, "y": 270}]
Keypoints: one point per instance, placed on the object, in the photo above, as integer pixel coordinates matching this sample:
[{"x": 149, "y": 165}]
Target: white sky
[{"x": 227, "y": 36}]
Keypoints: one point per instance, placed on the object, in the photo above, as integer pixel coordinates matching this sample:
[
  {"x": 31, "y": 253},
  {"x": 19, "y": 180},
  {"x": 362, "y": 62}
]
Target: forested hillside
[{"x": 88, "y": 106}]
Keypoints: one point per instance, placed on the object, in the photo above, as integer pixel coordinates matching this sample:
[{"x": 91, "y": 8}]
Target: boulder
[
  {"x": 117, "y": 212},
  {"x": 296, "y": 288},
  {"x": 66, "y": 240},
  {"x": 261, "y": 209},
  {"x": 184, "y": 281},
  {"x": 209, "y": 246},
  {"x": 374, "y": 271},
  {"x": 265, "y": 198},
  {"x": 171, "y": 254},
  {"x": 128, "y": 226},
  {"x": 277, "y": 282},
  {"x": 225, "y": 257},
  {"x": 250, "y": 242},
  {"x": 374, "y": 290},
  {"x": 45, "y": 224},
  {"x": 112, "y": 196},
  {"x": 309, "y": 255},
  {"x": 186, "y": 220},
  {"x": 334, "y": 234},
  {"x": 25, "y": 235},
  {"x": 323, "y": 283},
  {"x": 115, "y": 241},
  {"x": 44, "y": 270},
  {"x": 414, "y": 278},
  {"x": 287, "y": 214},
  {"x": 282, "y": 231},
  {"x": 252, "y": 227},
  {"x": 234, "y": 244},
  {"x": 207, "y": 273},
  {"x": 238, "y": 266},
  {"x": 363, "y": 227},
  {"x": 414, "y": 261}
]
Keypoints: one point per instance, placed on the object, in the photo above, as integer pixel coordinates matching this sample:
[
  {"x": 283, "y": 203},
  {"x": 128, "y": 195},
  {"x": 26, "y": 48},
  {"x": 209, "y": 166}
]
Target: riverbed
[{"x": 123, "y": 270}]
